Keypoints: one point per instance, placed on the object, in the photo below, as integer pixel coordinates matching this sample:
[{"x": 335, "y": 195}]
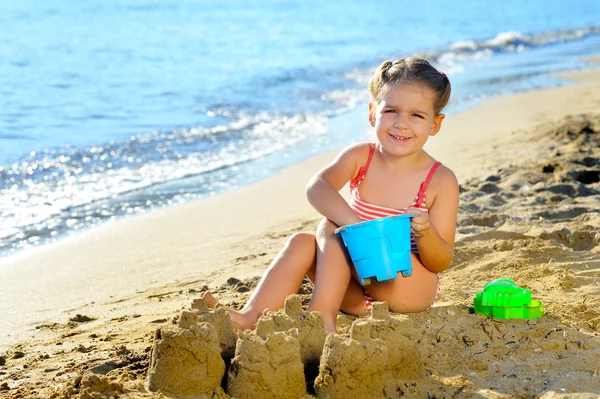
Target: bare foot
[
  {"x": 330, "y": 324},
  {"x": 240, "y": 321},
  {"x": 211, "y": 300}
]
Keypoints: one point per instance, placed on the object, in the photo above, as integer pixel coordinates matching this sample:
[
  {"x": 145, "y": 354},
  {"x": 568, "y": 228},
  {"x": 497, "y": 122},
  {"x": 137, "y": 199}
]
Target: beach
[{"x": 528, "y": 167}]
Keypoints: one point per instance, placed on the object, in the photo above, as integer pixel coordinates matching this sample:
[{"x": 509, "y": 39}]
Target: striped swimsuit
[{"x": 367, "y": 211}]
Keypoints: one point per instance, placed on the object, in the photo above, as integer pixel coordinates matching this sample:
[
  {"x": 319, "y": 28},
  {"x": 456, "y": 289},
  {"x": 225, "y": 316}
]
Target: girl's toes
[{"x": 210, "y": 299}]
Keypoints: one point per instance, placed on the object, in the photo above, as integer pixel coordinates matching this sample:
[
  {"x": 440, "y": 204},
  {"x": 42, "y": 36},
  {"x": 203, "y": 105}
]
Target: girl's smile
[{"x": 400, "y": 138}]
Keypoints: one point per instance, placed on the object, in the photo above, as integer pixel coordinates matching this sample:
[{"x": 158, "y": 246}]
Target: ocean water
[{"x": 112, "y": 108}]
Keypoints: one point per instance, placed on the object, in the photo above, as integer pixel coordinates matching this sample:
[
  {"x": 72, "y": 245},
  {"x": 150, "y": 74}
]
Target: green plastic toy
[{"x": 502, "y": 299}]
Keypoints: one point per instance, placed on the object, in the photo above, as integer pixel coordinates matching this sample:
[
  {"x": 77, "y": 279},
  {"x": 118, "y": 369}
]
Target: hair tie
[{"x": 443, "y": 74}]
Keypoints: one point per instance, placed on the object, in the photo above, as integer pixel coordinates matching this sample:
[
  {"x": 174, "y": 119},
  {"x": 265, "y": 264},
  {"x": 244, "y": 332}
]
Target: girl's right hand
[{"x": 419, "y": 223}]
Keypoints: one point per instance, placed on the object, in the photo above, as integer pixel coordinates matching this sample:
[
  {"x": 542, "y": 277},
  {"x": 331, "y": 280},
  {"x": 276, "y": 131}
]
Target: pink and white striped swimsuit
[{"x": 367, "y": 211}]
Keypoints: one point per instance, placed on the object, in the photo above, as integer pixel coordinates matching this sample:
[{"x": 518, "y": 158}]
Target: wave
[
  {"x": 509, "y": 42},
  {"x": 55, "y": 190}
]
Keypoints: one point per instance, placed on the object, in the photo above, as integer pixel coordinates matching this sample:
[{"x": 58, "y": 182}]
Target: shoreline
[
  {"x": 343, "y": 120},
  {"x": 204, "y": 239}
]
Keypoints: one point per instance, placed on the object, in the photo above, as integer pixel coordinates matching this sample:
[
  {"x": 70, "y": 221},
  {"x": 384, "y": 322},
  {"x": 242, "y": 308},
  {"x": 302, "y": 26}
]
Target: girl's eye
[
  {"x": 388, "y": 111},
  {"x": 418, "y": 116}
]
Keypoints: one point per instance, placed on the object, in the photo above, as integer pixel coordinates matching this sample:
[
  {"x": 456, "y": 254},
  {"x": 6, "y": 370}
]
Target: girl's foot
[
  {"x": 329, "y": 322},
  {"x": 210, "y": 299},
  {"x": 240, "y": 321}
]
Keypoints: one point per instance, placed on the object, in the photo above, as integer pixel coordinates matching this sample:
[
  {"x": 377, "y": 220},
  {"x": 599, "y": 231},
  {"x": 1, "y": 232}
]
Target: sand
[{"x": 80, "y": 317}]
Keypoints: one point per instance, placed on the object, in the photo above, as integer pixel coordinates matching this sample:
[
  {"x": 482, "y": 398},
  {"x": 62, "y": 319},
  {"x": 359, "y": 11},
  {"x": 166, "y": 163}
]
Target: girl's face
[{"x": 405, "y": 118}]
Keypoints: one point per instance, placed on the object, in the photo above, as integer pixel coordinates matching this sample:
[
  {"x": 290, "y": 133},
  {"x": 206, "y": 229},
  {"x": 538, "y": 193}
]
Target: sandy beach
[{"x": 529, "y": 170}]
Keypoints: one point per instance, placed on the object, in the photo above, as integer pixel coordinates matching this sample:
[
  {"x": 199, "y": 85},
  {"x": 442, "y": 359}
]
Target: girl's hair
[{"x": 410, "y": 70}]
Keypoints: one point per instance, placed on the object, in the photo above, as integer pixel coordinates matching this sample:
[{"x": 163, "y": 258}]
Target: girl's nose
[{"x": 400, "y": 120}]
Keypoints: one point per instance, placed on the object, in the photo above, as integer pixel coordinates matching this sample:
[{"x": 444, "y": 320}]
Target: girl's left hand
[{"x": 419, "y": 224}]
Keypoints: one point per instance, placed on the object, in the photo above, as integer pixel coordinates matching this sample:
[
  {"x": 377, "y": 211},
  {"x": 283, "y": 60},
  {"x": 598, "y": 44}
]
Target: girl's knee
[
  {"x": 326, "y": 225},
  {"x": 303, "y": 240},
  {"x": 326, "y": 229}
]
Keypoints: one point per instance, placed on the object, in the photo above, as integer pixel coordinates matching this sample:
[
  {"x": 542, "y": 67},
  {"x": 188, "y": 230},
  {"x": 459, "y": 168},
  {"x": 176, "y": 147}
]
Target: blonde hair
[{"x": 410, "y": 70}]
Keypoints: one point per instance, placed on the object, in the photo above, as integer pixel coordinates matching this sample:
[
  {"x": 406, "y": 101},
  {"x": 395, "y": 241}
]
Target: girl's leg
[
  {"x": 354, "y": 299},
  {"x": 283, "y": 277},
  {"x": 407, "y": 294},
  {"x": 335, "y": 288}
]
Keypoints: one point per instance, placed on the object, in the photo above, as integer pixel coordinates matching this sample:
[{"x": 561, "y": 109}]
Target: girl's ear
[
  {"x": 372, "y": 114},
  {"x": 437, "y": 124}
]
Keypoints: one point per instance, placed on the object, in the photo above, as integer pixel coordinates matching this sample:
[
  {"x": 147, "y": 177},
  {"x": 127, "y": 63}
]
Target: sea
[{"x": 113, "y": 108}]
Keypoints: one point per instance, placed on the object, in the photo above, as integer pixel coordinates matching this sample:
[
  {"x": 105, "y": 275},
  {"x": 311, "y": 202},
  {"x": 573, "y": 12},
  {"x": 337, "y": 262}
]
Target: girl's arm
[
  {"x": 323, "y": 188},
  {"x": 434, "y": 233}
]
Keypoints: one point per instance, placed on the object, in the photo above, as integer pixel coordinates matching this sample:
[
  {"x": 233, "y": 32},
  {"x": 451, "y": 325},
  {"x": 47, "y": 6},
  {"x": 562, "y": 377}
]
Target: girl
[{"x": 391, "y": 176}]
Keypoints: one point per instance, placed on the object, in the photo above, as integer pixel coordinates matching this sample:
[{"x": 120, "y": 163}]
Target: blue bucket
[{"x": 379, "y": 248}]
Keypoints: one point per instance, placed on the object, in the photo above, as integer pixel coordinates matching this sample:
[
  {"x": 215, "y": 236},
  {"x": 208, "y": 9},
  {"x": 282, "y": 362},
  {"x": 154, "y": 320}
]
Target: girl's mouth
[{"x": 399, "y": 138}]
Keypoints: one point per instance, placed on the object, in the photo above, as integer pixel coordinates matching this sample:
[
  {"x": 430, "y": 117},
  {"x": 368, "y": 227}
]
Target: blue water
[{"x": 110, "y": 108}]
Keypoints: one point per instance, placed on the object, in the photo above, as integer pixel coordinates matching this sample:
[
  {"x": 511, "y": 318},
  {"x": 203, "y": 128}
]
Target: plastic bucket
[{"x": 379, "y": 248}]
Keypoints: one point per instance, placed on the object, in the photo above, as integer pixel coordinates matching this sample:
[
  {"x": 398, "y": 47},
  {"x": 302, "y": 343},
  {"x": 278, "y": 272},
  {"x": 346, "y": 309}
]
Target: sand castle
[
  {"x": 191, "y": 359},
  {"x": 355, "y": 367},
  {"x": 277, "y": 358},
  {"x": 310, "y": 327},
  {"x": 186, "y": 361},
  {"x": 380, "y": 350},
  {"x": 258, "y": 354},
  {"x": 400, "y": 338},
  {"x": 218, "y": 317}
]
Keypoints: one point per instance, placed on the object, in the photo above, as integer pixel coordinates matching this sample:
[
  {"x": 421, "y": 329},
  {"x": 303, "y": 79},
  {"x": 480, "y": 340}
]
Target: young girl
[{"x": 391, "y": 176}]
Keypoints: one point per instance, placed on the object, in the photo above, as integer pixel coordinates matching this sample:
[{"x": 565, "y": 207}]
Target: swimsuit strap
[
  {"x": 363, "y": 170},
  {"x": 423, "y": 189}
]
